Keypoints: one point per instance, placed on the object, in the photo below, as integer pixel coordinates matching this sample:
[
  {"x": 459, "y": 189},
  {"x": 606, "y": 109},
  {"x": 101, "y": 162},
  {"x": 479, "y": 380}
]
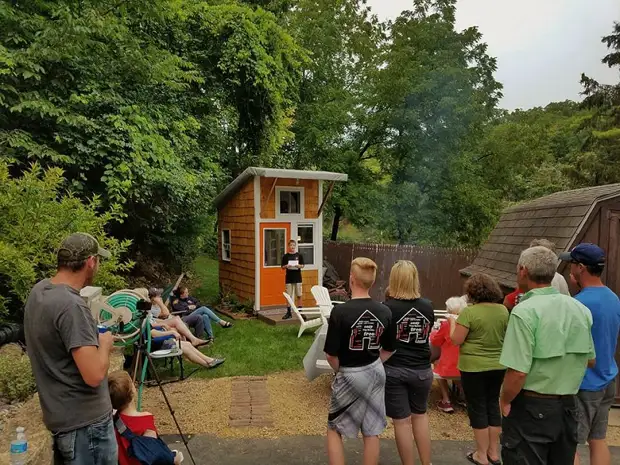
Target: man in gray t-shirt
[{"x": 70, "y": 359}]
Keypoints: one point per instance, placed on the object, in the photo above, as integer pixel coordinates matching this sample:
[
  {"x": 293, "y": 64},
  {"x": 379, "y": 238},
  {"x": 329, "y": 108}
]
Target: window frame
[
  {"x": 264, "y": 261},
  {"x": 224, "y": 259},
  {"x": 279, "y": 190}
]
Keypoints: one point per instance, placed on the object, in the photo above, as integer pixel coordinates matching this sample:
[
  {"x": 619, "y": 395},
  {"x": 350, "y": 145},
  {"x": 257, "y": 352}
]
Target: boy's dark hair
[
  {"x": 120, "y": 386},
  {"x": 292, "y": 241}
]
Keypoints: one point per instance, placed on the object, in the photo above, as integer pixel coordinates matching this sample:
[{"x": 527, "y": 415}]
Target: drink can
[{"x": 102, "y": 329}]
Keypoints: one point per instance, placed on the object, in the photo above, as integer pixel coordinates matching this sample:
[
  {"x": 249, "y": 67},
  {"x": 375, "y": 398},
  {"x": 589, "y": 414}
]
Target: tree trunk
[{"x": 336, "y": 222}]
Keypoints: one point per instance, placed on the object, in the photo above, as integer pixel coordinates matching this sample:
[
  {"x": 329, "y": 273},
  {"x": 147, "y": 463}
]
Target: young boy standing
[
  {"x": 293, "y": 263},
  {"x": 360, "y": 337}
]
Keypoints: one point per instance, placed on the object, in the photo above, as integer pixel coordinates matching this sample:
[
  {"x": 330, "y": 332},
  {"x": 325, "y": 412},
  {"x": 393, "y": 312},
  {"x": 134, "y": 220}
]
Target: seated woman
[
  {"x": 183, "y": 302},
  {"x": 189, "y": 350},
  {"x": 162, "y": 317}
]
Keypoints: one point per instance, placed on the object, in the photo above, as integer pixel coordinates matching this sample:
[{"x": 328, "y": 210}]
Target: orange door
[{"x": 273, "y": 240}]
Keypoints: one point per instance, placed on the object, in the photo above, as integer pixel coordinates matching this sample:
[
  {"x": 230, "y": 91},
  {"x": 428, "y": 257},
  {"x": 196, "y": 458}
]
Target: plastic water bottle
[{"x": 19, "y": 448}]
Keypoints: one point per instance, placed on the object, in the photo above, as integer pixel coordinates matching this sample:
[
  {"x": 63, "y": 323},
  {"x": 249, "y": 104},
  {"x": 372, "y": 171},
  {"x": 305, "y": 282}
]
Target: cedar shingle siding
[{"x": 559, "y": 217}]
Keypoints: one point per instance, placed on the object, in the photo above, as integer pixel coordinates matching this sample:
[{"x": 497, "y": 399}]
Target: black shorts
[
  {"x": 406, "y": 391},
  {"x": 540, "y": 431},
  {"x": 482, "y": 396}
]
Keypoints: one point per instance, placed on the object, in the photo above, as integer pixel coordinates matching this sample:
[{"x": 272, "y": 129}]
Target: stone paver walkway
[{"x": 249, "y": 405}]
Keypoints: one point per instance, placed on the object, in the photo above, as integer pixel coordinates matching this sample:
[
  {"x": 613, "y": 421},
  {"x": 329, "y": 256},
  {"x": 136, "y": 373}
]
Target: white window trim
[
  {"x": 229, "y": 245},
  {"x": 316, "y": 236},
  {"x": 279, "y": 265},
  {"x": 288, "y": 216}
]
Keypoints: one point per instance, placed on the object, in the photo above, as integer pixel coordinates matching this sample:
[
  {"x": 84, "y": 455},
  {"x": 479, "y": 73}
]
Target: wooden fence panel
[{"x": 438, "y": 267}]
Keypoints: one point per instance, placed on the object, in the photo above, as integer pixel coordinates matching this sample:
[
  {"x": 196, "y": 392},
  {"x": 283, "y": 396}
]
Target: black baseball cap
[
  {"x": 79, "y": 246},
  {"x": 586, "y": 254}
]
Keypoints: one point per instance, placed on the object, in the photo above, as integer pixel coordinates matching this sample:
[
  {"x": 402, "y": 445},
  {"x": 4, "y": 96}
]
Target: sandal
[
  {"x": 494, "y": 462},
  {"x": 227, "y": 324},
  {"x": 471, "y": 458},
  {"x": 216, "y": 363},
  {"x": 203, "y": 343}
]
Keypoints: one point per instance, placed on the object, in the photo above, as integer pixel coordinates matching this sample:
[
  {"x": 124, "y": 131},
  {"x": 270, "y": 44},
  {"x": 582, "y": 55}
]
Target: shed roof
[
  {"x": 240, "y": 180},
  {"x": 558, "y": 217}
]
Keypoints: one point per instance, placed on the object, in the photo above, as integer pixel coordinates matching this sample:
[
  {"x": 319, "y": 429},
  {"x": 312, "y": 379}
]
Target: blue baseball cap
[{"x": 586, "y": 254}]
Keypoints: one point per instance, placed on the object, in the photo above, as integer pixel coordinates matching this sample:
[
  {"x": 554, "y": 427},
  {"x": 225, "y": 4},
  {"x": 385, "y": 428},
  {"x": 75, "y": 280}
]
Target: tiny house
[{"x": 258, "y": 213}]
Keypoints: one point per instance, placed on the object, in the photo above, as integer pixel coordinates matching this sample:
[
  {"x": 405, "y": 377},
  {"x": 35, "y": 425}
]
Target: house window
[
  {"x": 226, "y": 245},
  {"x": 305, "y": 245},
  {"x": 275, "y": 245},
  {"x": 290, "y": 202}
]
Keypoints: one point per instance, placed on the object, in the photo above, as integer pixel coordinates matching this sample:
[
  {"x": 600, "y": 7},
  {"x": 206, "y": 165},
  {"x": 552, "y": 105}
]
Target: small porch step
[{"x": 273, "y": 317}]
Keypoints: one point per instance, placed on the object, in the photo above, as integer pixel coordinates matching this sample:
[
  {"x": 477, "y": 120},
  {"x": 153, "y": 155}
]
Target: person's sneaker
[
  {"x": 288, "y": 316},
  {"x": 445, "y": 407}
]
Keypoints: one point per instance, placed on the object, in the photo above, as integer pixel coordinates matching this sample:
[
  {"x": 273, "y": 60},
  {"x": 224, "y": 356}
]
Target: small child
[
  {"x": 123, "y": 395},
  {"x": 293, "y": 263},
  {"x": 446, "y": 366}
]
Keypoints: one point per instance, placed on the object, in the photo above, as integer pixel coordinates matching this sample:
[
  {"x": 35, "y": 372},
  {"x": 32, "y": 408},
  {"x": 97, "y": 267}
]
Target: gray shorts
[
  {"x": 594, "y": 412},
  {"x": 358, "y": 401},
  {"x": 294, "y": 290},
  {"x": 406, "y": 391}
]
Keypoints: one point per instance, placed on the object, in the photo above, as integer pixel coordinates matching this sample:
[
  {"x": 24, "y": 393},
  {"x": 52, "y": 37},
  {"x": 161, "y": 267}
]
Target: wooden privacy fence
[{"x": 438, "y": 267}]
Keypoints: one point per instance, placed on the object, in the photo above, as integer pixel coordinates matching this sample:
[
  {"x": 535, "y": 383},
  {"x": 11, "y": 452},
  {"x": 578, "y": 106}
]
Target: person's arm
[
  {"x": 458, "y": 330},
  {"x": 172, "y": 332},
  {"x": 332, "y": 342},
  {"x": 388, "y": 340},
  {"x": 90, "y": 350},
  {"x": 517, "y": 357},
  {"x": 179, "y": 305},
  {"x": 165, "y": 313},
  {"x": 435, "y": 353},
  {"x": 300, "y": 261},
  {"x": 284, "y": 262}
]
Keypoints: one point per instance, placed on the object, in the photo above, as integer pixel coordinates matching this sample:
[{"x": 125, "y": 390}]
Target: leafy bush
[
  {"x": 16, "y": 378},
  {"x": 232, "y": 303},
  {"x": 36, "y": 216}
]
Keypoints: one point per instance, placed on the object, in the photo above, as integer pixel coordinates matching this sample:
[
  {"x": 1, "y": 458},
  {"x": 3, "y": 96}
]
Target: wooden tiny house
[
  {"x": 566, "y": 218},
  {"x": 258, "y": 213}
]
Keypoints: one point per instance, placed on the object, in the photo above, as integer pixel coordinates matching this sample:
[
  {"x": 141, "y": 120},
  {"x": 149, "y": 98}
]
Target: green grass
[
  {"x": 251, "y": 347},
  {"x": 206, "y": 272}
]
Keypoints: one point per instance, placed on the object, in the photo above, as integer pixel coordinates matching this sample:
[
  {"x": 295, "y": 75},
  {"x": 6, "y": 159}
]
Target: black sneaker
[{"x": 288, "y": 316}]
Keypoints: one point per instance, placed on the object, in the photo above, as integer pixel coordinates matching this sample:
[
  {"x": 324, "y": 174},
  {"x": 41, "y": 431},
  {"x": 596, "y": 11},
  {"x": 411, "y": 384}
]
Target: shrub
[
  {"x": 36, "y": 215},
  {"x": 16, "y": 378}
]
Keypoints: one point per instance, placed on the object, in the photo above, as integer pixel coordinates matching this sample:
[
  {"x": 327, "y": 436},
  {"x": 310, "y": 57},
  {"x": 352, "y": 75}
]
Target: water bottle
[{"x": 19, "y": 448}]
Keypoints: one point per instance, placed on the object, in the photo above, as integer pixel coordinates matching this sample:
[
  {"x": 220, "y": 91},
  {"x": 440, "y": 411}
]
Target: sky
[{"x": 541, "y": 46}]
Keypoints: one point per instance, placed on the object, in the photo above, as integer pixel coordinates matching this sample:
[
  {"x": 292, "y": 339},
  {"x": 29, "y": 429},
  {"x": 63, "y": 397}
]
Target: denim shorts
[
  {"x": 94, "y": 444},
  {"x": 594, "y": 412},
  {"x": 406, "y": 391}
]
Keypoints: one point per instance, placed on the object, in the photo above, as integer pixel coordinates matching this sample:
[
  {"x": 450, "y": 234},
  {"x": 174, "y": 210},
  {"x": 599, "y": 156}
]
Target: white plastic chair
[
  {"x": 304, "y": 324},
  {"x": 323, "y": 300}
]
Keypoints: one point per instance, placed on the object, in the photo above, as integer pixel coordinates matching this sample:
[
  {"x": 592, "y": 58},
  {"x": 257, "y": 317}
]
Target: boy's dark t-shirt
[
  {"x": 413, "y": 321},
  {"x": 292, "y": 276},
  {"x": 357, "y": 330}
]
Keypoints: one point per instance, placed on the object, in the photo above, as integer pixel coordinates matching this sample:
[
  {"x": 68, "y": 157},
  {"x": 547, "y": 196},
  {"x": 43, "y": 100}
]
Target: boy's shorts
[
  {"x": 358, "y": 401},
  {"x": 294, "y": 290}
]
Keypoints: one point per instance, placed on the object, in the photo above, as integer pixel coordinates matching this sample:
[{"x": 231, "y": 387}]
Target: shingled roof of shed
[{"x": 558, "y": 217}]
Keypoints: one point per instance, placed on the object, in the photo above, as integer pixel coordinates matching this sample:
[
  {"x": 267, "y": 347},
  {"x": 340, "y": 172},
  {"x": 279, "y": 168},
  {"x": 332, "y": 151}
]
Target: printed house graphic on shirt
[
  {"x": 366, "y": 332},
  {"x": 413, "y": 326}
]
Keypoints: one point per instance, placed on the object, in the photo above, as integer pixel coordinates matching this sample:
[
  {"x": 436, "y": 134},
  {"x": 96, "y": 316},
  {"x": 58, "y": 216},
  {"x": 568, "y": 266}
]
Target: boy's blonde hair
[
  {"x": 121, "y": 389},
  {"x": 404, "y": 281},
  {"x": 364, "y": 270},
  {"x": 455, "y": 305}
]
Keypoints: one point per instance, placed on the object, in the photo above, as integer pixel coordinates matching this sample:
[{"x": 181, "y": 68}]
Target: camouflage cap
[{"x": 79, "y": 246}]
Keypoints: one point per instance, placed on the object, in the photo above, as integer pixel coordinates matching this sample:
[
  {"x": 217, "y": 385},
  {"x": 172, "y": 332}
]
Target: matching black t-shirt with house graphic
[{"x": 360, "y": 327}]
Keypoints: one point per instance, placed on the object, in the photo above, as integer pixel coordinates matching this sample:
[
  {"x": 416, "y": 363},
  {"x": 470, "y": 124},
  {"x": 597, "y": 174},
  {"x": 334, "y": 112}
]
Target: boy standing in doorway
[{"x": 293, "y": 263}]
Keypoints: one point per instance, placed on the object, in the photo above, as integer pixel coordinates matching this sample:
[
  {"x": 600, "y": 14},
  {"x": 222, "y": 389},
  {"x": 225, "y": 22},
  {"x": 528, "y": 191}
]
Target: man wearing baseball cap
[
  {"x": 597, "y": 391},
  {"x": 70, "y": 359}
]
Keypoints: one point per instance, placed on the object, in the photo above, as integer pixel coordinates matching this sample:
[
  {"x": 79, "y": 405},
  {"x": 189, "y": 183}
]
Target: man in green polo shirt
[{"x": 547, "y": 347}]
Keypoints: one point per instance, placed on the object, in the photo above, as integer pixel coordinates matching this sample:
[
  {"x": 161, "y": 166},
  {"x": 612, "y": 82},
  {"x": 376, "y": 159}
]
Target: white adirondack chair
[
  {"x": 323, "y": 300},
  {"x": 307, "y": 324}
]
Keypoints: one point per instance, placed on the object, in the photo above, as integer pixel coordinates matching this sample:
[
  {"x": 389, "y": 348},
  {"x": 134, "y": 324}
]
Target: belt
[{"x": 538, "y": 395}]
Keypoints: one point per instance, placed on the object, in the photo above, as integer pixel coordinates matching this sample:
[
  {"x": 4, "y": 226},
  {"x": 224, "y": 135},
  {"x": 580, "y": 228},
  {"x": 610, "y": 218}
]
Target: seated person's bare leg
[
  {"x": 195, "y": 356},
  {"x": 176, "y": 323}
]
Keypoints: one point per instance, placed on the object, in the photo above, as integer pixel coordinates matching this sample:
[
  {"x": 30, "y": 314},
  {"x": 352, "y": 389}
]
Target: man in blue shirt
[{"x": 598, "y": 389}]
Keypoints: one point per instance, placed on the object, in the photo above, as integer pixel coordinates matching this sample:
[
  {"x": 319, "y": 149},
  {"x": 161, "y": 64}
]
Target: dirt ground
[{"x": 298, "y": 407}]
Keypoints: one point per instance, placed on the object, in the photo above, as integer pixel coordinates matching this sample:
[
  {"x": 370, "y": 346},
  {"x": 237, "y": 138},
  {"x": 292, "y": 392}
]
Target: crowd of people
[
  {"x": 537, "y": 367},
  {"x": 539, "y": 378}
]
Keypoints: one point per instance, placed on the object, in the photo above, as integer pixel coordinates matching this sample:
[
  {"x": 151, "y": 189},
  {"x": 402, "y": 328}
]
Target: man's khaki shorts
[{"x": 294, "y": 290}]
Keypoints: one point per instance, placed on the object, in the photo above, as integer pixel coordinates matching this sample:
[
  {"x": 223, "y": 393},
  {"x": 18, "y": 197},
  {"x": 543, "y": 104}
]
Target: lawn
[{"x": 251, "y": 347}]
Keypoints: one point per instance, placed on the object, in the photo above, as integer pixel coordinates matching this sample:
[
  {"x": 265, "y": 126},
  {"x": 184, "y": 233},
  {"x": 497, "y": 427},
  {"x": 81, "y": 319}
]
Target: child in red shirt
[
  {"x": 122, "y": 394},
  {"x": 446, "y": 367}
]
